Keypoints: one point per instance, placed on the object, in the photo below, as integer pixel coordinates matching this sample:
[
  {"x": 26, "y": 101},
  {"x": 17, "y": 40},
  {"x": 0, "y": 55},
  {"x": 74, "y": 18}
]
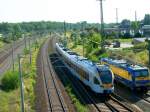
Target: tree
[
  {"x": 135, "y": 26},
  {"x": 146, "y": 20},
  {"x": 16, "y": 31},
  {"x": 125, "y": 23}
]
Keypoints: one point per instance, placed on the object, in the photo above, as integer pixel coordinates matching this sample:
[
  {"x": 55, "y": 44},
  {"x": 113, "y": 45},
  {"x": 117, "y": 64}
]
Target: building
[
  {"x": 146, "y": 30},
  {"x": 139, "y": 40}
]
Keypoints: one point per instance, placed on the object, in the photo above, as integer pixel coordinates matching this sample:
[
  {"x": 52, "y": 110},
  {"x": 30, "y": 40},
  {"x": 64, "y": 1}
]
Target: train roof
[
  {"x": 84, "y": 62},
  {"x": 102, "y": 67},
  {"x": 124, "y": 64}
]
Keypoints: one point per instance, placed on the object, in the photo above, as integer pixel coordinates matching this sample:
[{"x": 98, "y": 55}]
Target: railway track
[
  {"x": 55, "y": 100},
  {"x": 111, "y": 105},
  {"x": 145, "y": 97},
  {"x": 117, "y": 106},
  {"x": 8, "y": 50}
]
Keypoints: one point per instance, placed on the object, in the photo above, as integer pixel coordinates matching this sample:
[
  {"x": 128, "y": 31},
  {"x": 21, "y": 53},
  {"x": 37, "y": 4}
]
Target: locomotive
[{"x": 134, "y": 76}]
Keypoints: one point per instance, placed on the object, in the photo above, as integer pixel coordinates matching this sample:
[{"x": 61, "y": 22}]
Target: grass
[
  {"x": 122, "y": 40},
  {"x": 126, "y": 40},
  {"x": 10, "y": 101},
  {"x": 139, "y": 57},
  {"x": 1, "y": 44},
  {"x": 80, "y": 106}
]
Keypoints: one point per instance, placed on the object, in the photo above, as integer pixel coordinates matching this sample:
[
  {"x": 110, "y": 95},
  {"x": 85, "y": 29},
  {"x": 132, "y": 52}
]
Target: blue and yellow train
[{"x": 135, "y": 77}]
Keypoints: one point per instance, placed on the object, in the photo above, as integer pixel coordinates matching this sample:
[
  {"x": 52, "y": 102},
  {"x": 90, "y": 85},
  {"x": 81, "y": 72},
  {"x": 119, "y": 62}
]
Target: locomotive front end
[{"x": 106, "y": 78}]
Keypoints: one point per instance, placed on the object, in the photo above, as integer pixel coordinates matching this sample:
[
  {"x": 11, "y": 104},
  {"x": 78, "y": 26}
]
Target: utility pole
[
  {"x": 136, "y": 29},
  {"x": 30, "y": 51},
  {"x": 25, "y": 41},
  {"x": 117, "y": 23},
  {"x": 102, "y": 23},
  {"x": 116, "y": 15},
  {"x": 13, "y": 64},
  {"x": 64, "y": 28},
  {"x": 135, "y": 16},
  {"x": 65, "y": 35},
  {"x": 21, "y": 84},
  {"x": 83, "y": 36}
]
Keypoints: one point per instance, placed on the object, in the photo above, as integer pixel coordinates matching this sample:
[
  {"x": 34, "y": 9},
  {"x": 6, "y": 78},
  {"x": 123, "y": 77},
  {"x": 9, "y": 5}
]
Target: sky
[{"x": 71, "y": 10}]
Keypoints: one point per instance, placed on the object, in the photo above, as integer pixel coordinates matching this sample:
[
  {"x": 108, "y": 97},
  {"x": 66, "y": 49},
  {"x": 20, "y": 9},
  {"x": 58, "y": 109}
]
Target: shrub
[
  {"x": 139, "y": 47},
  {"x": 94, "y": 58},
  {"x": 10, "y": 81},
  {"x": 26, "y": 51},
  {"x": 104, "y": 55}
]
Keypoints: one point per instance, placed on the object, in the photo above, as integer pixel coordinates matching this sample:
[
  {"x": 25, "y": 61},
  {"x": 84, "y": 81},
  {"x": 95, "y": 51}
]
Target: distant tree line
[{"x": 15, "y": 30}]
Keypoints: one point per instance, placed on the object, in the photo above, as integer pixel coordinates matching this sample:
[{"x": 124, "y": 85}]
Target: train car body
[
  {"x": 98, "y": 77},
  {"x": 134, "y": 76}
]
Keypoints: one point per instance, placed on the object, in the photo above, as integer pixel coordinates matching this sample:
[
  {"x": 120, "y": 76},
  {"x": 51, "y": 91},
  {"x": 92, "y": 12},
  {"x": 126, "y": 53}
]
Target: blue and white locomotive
[
  {"x": 136, "y": 77},
  {"x": 98, "y": 77}
]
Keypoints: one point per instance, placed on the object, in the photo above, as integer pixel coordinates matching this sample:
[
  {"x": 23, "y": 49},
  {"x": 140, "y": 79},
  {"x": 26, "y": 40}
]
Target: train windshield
[
  {"x": 106, "y": 76},
  {"x": 141, "y": 73}
]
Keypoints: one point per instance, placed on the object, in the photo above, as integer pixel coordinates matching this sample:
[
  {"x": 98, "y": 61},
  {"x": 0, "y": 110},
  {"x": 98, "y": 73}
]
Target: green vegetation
[
  {"x": 1, "y": 44},
  {"x": 10, "y": 81},
  {"x": 87, "y": 44},
  {"x": 10, "y": 98},
  {"x": 129, "y": 40},
  {"x": 80, "y": 106},
  {"x": 26, "y": 51},
  {"x": 29, "y": 80},
  {"x": 140, "y": 57},
  {"x": 92, "y": 49}
]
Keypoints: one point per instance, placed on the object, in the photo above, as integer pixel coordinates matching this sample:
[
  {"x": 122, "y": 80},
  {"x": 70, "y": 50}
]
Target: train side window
[{"x": 96, "y": 81}]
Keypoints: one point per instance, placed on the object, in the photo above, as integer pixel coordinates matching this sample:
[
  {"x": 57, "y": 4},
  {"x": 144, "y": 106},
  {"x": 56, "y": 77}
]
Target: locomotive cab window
[
  {"x": 142, "y": 73},
  {"x": 96, "y": 81}
]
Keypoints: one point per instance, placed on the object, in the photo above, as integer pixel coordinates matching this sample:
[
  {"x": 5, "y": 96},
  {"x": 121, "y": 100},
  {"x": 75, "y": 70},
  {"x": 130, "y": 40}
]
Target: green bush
[
  {"x": 139, "y": 47},
  {"x": 10, "y": 81},
  {"x": 26, "y": 51},
  {"x": 104, "y": 55}
]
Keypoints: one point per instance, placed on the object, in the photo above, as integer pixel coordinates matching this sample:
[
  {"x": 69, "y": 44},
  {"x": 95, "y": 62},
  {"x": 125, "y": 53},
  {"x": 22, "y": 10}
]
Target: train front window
[
  {"x": 105, "y": 76},
  {"x": 96, "y": 81},
  {"x": 142, "y": 73}
]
